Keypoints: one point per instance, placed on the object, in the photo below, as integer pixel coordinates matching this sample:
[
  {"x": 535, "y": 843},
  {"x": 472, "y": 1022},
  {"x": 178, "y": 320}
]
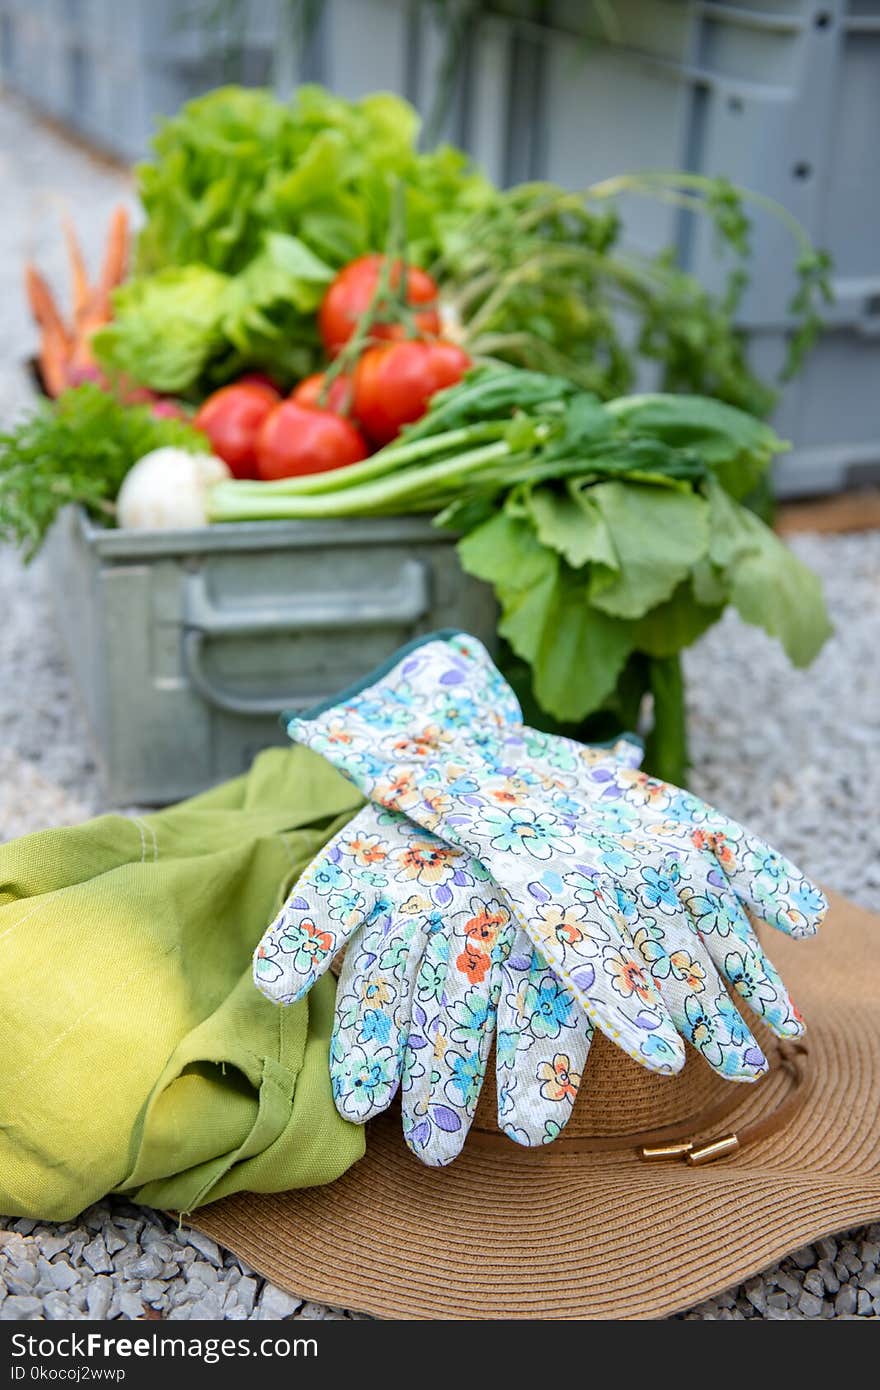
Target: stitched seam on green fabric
[
  {"x": 443, "y": 634},
  {"x": 46, "y": 898},
  {"x": 135, "y": 975},
  {"x": 232, "y": 1159}
]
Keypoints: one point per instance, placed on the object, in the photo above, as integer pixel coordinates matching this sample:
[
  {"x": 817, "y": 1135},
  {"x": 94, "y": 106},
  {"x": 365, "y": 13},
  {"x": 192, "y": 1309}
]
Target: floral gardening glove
[
  {"x": 622, "y": 898},
  {"x": 434, "y": 959}
]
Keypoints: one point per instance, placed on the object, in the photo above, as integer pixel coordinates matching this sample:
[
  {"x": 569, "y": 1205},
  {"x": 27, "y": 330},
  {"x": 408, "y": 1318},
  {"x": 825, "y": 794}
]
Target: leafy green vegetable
[
  {"x": 166, "y": 327},
  {"x": 76, "y": 449},
  {"x": 612, "y": 535},
  {"x": 657, "y": 534},
  {"x": 536, "y": 274},
  {"x": 273, "y": 197},
  {"x": 767, "y": 583},
  {"x": 173, "y": 327}
]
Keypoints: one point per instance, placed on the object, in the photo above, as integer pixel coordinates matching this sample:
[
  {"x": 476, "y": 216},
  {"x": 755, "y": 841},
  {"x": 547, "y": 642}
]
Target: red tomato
[
  {"x": 349, "y": 297},
  {"x": 298, "y": 439},
  {"x": 394, "y": 383},
  {"x": 259, "y": 379},
  {"x": 232, "y": 418},
  {"x": 308, "y": 392}
]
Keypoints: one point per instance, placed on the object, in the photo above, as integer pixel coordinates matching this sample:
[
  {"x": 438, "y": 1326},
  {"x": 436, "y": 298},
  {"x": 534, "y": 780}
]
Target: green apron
[{"x": 136, "y": 1055}]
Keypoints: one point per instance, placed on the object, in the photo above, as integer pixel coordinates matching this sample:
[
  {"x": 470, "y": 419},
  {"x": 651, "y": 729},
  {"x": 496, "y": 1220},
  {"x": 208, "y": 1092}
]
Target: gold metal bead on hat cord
[{"x": 694, "y": 1154}]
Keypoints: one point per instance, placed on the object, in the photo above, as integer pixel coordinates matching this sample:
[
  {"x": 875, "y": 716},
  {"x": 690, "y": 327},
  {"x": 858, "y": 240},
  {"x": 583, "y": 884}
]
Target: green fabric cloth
[{"x": 136, "y": 1054}]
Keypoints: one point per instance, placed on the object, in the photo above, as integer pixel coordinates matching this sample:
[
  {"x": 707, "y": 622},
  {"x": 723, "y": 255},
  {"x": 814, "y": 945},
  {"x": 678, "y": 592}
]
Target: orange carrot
[{"x": 78, "y": 274}]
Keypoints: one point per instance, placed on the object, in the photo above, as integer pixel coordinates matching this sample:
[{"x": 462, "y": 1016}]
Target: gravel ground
[{"x": 786, "y": 752}]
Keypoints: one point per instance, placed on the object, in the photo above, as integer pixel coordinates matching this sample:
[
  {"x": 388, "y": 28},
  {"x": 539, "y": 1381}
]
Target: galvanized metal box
[{"x": 186, "y": 645}]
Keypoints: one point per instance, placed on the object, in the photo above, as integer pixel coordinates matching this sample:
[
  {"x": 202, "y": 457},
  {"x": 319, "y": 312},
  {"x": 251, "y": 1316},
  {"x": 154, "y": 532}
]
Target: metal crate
[{"x": 185, "y": 646}]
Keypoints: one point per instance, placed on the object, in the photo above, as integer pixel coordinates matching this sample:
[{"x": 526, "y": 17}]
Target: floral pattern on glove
[{"x": 627, "y": 887}]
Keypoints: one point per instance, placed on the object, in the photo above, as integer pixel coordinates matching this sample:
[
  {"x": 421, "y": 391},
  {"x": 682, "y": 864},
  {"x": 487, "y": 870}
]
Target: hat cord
[{"x": 677, "y": 1141}]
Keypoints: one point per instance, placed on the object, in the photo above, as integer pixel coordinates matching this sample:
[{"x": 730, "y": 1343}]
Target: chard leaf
[
  {"x": 769, "y": 586},
  {"x": 666, "y": 750},
  {"x": 506, "y": 552},
  {"x": 658, "y": 535},
  {"x": 576, "y": 653},
  {"x": 737, "y": 447},
  {"x": 571, "y": 523},
  {"x": 676, "y": 623},
  {"x": 709, "y": 584}
]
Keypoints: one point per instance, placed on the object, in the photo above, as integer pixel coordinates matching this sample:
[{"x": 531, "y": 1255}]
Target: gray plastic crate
[
  {"x": 781, "y": 96},
  {"x": 186, "y": 646}
]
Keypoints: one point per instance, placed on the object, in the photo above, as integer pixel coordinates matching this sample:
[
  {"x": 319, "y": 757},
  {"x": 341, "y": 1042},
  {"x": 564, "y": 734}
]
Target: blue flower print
[
  {"x": 469, "y": 1018},
  {"x": 375, "y": 1026},
  {"x": 546, "y": 1008},
  {"x": 713, "y": 913},
  {"x": 329, "y": 878},
  {"x": 463, "y": 1086},
  {"x": 660, "y": 888},
  {"x": 702, "y": 1032},
  {"x": 364, "y": 1083},
  {"x": 523, "y": 830}
]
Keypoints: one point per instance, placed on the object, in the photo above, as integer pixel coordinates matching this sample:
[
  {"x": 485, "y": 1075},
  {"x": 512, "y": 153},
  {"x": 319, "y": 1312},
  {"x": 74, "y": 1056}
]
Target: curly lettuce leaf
[{"x": 170, "y": 327}]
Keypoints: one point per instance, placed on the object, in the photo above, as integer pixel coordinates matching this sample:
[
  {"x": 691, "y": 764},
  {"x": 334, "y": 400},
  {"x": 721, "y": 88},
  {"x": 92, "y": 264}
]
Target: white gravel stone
[
  {"x": 20, "y": 1307},
  {"x": 275, "y": 1303},
  {"x": 98, "y": 1295},
  {"x": 206, "y": 1247},
  {"x": 846, "y": 1299},
  {"x": 96, "y": 1257}
]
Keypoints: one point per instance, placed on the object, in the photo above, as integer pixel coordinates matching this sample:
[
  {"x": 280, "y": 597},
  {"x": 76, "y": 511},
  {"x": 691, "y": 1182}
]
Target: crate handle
[{"x": 403, "y": 606}]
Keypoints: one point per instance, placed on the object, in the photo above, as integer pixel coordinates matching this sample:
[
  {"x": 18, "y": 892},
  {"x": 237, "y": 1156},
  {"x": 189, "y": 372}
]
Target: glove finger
[
  {"x": 372, "y": 1019},
  {"x": 543, "y": 1039},
  {"x": 334, "y": 897},
  {"x": 773, "y": 887},
  {"x": 680, "y": 964},
  {"x": 462, "y": 983},
  {"x": 574, "y": 926},
  {"x": 724, "y": 928},
  {"x": 768, "y": 882},
  {"x": 738, "y": 955}
]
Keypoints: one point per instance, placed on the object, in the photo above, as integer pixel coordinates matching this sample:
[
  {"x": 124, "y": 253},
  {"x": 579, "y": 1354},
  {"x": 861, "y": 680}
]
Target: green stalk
[
  {"x": 390, "y": 460},
  {"x": 237, "y": 502}
]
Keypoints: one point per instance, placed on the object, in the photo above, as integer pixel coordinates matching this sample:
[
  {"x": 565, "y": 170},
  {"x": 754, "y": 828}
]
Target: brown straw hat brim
[{"x": 507, "y": 1233}]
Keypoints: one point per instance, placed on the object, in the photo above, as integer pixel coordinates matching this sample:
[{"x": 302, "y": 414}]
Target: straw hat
[{"x": 618, "y": 1218}]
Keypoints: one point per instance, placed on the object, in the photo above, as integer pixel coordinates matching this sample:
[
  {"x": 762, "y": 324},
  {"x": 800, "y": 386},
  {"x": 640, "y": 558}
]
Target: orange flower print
[
  {"x": 558, "y": 1081},
  {"x": 717, "y": 844},
  {"x": 686, "y": 969},
  {"x": 564, "y": 924},
  {"x": 627, "y": 976},
  {"x": 339, "y": 734},
  {"x": 473, "y": 963},
  {"x": 367, "y": 850},
  {"x": 375, "y": 993},
  {"x": 482, "y": 929},
  {"x": 427, "y": 863},
  {"x": 642, "y": 790},
  {"x": 400, "y": 792},
  {"x": 509, "y": 793},
  {"x": 306, "y": 943},
  {"x": 430, "y": 740}
]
